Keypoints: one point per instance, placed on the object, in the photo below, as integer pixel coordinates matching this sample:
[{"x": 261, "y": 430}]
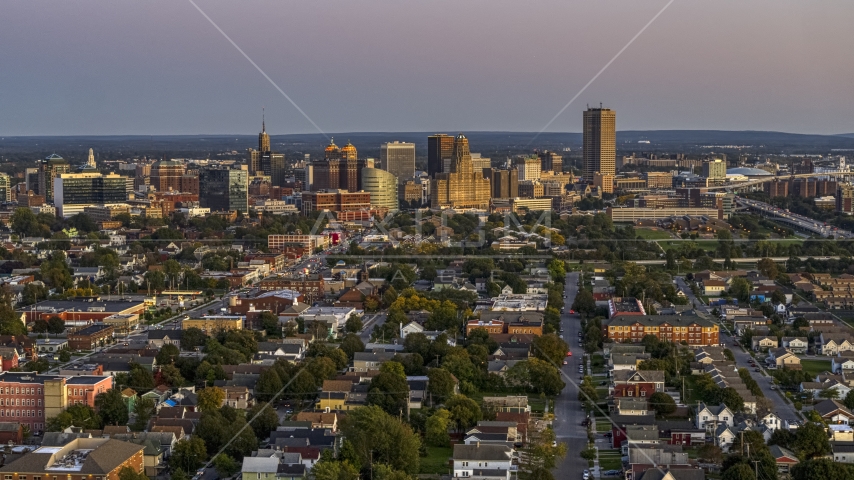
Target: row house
[
  {"x": 842, "y": 363},
  {"x": 796, "y": 345},
  {"x": 833, "y": 343},
  {"x": 761, "y": 344},
  {"x": 691, "y": 329}
]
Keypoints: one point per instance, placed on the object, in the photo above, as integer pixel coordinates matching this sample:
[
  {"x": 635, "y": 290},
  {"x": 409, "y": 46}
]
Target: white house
[
  {"x": 795, "y": 344},
  {"x": 482, "y": 460},
  {"x": 710, "y": 417},
  {"x": 724, "y": 437},
  {"x": 840, "y": 364}
]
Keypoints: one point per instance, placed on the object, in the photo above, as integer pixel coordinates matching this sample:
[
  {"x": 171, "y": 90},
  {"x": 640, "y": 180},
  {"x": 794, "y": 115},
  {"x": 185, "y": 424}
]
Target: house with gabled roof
[
  {"x": 637, "y": 383},
  {"x": 795, "y": 344},
  {"x": 709, "y": 416},
  {"x": 784, "y": 458},
  {"x": 482, "y": 460},
  {"x": 833, "y": 343},
  {"x": 783, "y": 358},
  {"x": 833, "y": 411}
]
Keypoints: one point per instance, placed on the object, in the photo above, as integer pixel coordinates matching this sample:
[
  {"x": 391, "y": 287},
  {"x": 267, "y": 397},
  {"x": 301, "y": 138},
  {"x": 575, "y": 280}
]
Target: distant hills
[{"x": 492, "y": 143}]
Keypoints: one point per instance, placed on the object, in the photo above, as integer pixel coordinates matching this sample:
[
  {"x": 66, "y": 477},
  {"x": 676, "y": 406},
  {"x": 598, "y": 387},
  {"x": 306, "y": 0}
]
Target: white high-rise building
[{"x": 90, "y": 162}]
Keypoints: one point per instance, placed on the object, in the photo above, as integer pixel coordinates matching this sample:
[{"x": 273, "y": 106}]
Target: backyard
[
  {"x": 814, "y": 367},
  {"x": 436, "y": 461}
]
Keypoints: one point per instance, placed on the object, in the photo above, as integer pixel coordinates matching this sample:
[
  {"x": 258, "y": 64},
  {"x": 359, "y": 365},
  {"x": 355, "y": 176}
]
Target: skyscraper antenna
[{"x": 263, "y": 125}]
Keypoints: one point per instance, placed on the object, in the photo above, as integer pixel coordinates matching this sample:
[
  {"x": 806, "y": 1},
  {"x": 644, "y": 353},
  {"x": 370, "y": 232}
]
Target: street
[
  {"x": 568, "y": 410},
  {"x": 369, "y": 322},
  {"x": 783, "y": 410}
]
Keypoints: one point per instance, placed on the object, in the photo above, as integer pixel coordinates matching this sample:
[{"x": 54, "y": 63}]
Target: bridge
[
  {"x": 794, "y": 220},
  {"x": 734, "y": 260},
  {"x": 771, "y": 178}
]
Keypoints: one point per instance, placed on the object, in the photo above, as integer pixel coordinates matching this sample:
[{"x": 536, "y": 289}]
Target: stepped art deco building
[{"x": 462, "y": 187}]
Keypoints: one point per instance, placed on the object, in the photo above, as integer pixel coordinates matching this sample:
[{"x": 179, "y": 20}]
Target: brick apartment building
[
  {"x": 310, "y": 287},
  {"x": 30, "y": 398},
  {"x": 80, "y": 459},
  {"x": 514, "y": 323},
  {"x": 90, "y": 337},
  {"x": 673, "y": 328}
]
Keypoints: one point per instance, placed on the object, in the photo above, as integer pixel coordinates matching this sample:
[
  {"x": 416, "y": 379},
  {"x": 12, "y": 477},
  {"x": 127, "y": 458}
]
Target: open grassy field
[
  {"x": 436, "y": 461},
  {"x": 653, "y": 234},
  {"x": 814, "y": 367}
]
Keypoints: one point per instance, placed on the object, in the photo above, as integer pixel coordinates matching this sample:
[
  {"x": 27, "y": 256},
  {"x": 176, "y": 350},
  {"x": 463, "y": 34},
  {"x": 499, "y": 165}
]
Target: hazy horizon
[{"x": 98, "y": 68}]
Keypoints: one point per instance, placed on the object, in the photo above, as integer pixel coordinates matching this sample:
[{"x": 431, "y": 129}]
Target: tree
[
  {"x": 266, "y": 421},
  {"x": 144, "y": 409},
  {"x": 710, "y": 453},
  {"x": 584, "y": 303},
  {"x": 662, "y": 403},
  {"x": 437, "y": 428},
  {"x": 768, "y": 268},
  {"x": 849, "y": 400},
  {"x": 188, "y": 455},
  {"x": 778, "y": 297},
  {"x": 389, "y": 389},
  {"x": 353, "y": 324},
  {"x": 351, "y": 344},
  {"x": 465, "y": 412},
  {"x": 270, "y": 323},
  {"x": 822, "y": 468},
  {"x": 79, "y": 415},
  {"x": 741, "y": 471},
  {"x": 55, "y": 325},
  {"x": 333, "y": 470},
  {"x": 810, "y": 441},
  {"x": 550, "y": 348},
  {"x": 269, "y": 384},
  {"x": 730, "y": 397},
  {"x": 544, "y": 377},
  {"x": 378, "y": 437},
  {"x": 168, "y": 354},
  {"x": 128, "y": 473},
  {"x": 740, "y": 288},
  {"x": 210, "y": 398},
  {"x": 111, "y": 407},
  {"x": 225, "y": 465},
  {"x": 587, "y": 391},
  {"x": 170, "y": 375},
  {"x": 829, "y": 393},
  {"x": 441, "y": 385},
  {"x": 192, "y": 338}
]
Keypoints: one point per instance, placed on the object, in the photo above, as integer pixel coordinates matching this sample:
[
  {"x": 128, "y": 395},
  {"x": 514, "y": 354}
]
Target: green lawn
[
  {"x": 708, "y": 245},
  {"x": 436, "y": 461},
  {"x": 610, "y": 460},
  {"x": 814, "y": 367},
  {"x": 653, "y": 234},
  {"x": 603, "y": 426},
  {"x": 691, "y": 394}
]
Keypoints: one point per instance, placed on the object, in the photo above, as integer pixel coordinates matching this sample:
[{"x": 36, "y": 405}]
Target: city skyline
[{"x": 180, "y": 76}]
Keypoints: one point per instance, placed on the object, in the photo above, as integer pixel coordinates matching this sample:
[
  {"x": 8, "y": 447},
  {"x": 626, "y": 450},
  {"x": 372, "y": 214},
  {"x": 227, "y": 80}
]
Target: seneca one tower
[{"x": 600, "y": 142}]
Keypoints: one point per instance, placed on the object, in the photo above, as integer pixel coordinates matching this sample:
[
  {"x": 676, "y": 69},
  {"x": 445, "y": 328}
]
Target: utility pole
[{"x": 756, "y": 468}]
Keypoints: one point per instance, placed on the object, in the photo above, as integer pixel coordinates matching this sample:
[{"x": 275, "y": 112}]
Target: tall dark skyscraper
[
  {"x": 398, "y": 158},
  {"x": 600, "y": 142},
  {"x": 439, "y": 147},
  {"x": 224, "y": 189}
]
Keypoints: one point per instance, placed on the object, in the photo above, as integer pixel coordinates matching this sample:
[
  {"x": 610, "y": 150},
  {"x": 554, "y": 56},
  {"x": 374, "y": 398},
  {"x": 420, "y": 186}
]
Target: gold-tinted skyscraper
[
  {"x": 462, "y": 187},
  {"x": 600, "y": 142}
]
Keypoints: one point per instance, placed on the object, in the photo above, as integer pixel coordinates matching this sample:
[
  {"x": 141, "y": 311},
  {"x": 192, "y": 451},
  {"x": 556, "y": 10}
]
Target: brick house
[{"x": 637, "y": 383}]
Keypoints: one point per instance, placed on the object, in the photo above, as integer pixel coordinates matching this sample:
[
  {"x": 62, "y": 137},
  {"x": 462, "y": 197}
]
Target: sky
[{"x": 101, "y": 67}]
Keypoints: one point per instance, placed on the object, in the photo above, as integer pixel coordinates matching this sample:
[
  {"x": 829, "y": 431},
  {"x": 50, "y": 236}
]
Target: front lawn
[
  {"x": 436, "y": 461},
  {"x": 610, "y": 460}
]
